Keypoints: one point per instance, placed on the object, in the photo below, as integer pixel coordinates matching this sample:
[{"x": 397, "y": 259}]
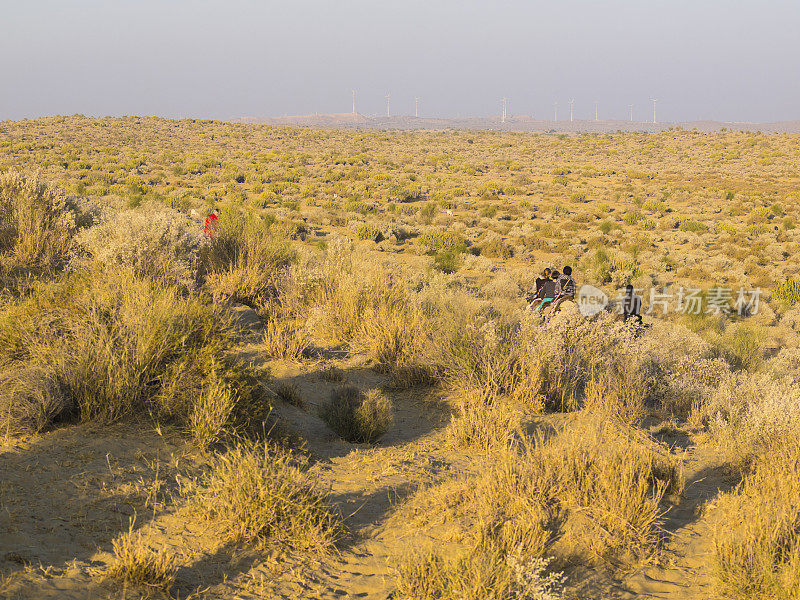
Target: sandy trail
[
  {"x": 688, "y": 574},
  {"x": 365, "y": 483}
]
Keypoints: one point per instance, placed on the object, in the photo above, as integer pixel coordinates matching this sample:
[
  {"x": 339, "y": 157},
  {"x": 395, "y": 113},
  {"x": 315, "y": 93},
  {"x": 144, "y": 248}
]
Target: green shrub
[
  {"x": 605, "y": 267},
  {"x": 356, "y": 206},
  {"x": 447, "y": 261},
  {"x": 578, "y": 197},
  {"x": 655, "y": 205},
  {"x": 788, "y": 292},
  {"x": 490, "y": 189},
  {"x": 695, "y": 226},
  {"x": 410, "y": 194},
  {"x": 369, "y": 232},
  {"x": 758, "y": 215},
  {"x": 488, "y": 211},
  {"x": 437, "y": 240},
  {"x": 428, "y": 211},
  {"x": 606, "y": 226},
  {"x": 757, "y": 229},
  {"x": 632, "y": 217},
  {"x": 746, "y": 349}
]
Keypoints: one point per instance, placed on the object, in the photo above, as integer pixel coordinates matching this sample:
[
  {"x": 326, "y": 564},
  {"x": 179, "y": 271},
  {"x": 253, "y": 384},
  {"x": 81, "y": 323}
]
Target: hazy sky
[{"x": 703, "y": 59}]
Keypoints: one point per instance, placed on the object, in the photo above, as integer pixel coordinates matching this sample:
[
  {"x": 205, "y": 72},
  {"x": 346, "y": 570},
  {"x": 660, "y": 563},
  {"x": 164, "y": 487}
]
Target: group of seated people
[{"x": 553, "y": 289}]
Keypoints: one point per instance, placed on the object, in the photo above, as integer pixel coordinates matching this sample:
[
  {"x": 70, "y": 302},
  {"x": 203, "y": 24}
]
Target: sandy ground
[{"x": 66, "y": 494}]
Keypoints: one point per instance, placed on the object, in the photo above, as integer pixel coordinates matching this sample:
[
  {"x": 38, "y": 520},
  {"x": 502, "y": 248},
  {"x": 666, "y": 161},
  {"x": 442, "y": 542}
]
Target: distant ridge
[{"x": 515, "y": 123}]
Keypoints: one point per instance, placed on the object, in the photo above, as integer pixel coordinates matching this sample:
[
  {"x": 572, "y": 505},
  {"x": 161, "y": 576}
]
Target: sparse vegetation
[
  {"x": 289, "y": 393},
  {"x": 392, "y": 283}
]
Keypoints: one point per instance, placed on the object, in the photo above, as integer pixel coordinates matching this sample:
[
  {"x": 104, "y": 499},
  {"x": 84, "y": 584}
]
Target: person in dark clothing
[
  {"x": 565, "y": 289},
  {"x": 540, "y": 281},
  {"x": 548, "y": 292},
  {"x": 631, "y": 305}
]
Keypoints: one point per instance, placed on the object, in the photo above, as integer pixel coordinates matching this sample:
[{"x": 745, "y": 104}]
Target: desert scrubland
[{"x": 345, "y": 394}]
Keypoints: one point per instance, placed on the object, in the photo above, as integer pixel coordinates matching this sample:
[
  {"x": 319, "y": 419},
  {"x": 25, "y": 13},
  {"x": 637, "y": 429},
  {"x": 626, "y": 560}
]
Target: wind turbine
[
  {"x": 654, "y": 109},
  {"x": 388, "y": 98},
  {"x": 555, "y": 107},
  {"x": 571, "y": 105},
  {"x": 505, "y": 105},
  {"x": 416, "y": 106},
  {"x": 631, "y": 107},
  {"x": 595, "y": 110},
  {"x": 354, "y": 102}
]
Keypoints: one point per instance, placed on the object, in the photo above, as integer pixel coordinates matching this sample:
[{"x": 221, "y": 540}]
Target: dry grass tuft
[
  {"x": 358, "y": 417},
  {"x": 593, "y": 491},
  {"x": 30, "y": 399},
  {"x": 601, "y": 480},
  {"x": 262, "y": 494},
  {"x": 243, "y": 262},
  {"x": 230, "y": 402},
  {"x": 493, "y": 358},
  {"x": 333, "y": 374},
  {"x": 477, "y": 576},
  {"x": 610, "y": 480},
  {"x": 284, "y": 339},
  {"x": 484, "y": 423},
  {"x": 393, "y": 332},
  {"x": 618, "y": 394},
  {"x": 120, "y": 345},
  {"x": 134, "y": 563}
]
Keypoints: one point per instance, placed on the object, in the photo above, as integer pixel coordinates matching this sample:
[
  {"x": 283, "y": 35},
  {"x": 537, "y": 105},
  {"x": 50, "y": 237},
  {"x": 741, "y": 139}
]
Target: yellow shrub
[
  {"x": 262, "y": 494},
  {"x": 134, "y": 563}
]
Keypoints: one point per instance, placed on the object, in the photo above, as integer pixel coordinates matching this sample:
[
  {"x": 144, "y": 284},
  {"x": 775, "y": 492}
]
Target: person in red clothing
[{"x": 212, "y": 220}]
